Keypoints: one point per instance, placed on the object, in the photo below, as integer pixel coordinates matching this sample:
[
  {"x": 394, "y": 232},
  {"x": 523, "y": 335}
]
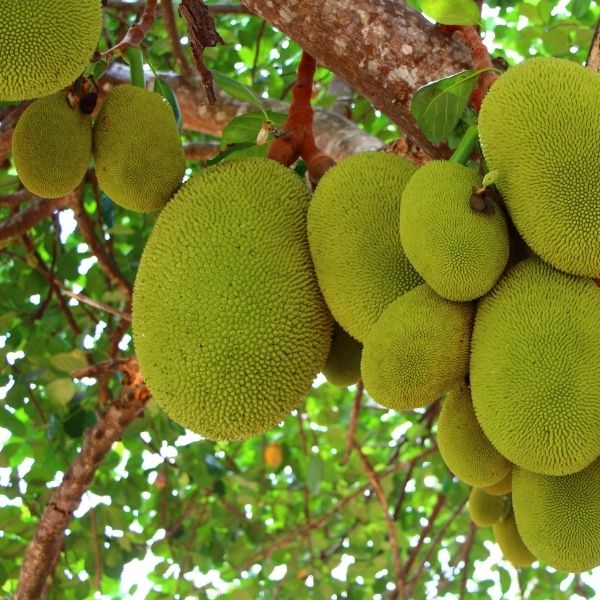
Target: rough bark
[{"x": 593, "y": 58}]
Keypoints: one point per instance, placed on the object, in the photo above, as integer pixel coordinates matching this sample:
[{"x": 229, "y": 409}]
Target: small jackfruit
[
  {"x": 229, "y": 325},
  {"x": 540, "y": 129},
  {"x": 463, "y": 445},
  {"x": 485, "y": 510},
  {"x": 559, "y": 517},
  {"x": 458, "y": 251},
  {"x": 417, "y": 350},
  {"x": 137, "y": 149},
  {"x": 535, "y": 367},
  {"x": 343, "y": 363},
  {"x": 504, "y": 486},
  {"x": 45, "y": 46},
  {"x": 52, "y": 145},
  {"x": 354, "y": 238},
  {"x": 510, "y": 542}
]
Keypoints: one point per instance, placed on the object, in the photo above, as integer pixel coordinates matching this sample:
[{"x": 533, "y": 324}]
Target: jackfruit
[
  {"x": 504, "y": 486},
  {"x": 540, "y": 129},
  {"x": 463, "y": 445},
  {"x": 510, "y": 542},
  {"x": 417, "y": 350},
  {"x": 535, "y": 367},
  {"x": 559, "y": 517},
  {"x": 343, "y": 363},
  {"x": 45, "y": 46},
  {"x": 458, "y": 251},
  {"x": 229, "y": 325},
  {"x": 52, "y": 145},
  {"x": 354, "y": 238},
  {"x": 137, "y": 149},
  {"x": 485, "y": 510}
]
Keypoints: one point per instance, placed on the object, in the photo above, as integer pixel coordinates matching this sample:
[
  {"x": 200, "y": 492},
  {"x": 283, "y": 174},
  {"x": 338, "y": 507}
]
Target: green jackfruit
[
  {"x": 137, "y": 149},
  {"x": 504, "y": 486},
  {"x": 354, "y": 238},
  {"x": 458, "y": 251},
  {"x": 535, "y": 367},
  {"x": 45, "y": 45},
  {"x": 52, "y": 145},
  {"x": 510, "y": 542},
  {"x": 485, "y": 510},
  {"x": 463, "y": 445},
  {"x": 229, "y": 325},
  {"x": 343, "y": 363},
  {"x": 559, "y": 517},
  {"x": 540, "y": 129},
  {"x": 417, "y": 350}
]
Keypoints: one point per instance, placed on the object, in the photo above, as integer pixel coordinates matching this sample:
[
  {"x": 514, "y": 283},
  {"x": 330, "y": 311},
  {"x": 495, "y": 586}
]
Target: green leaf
[
  {"x": 78, "y": 421},
  {"x": 60, "y": 391},
  {"x": 164, "y": 89},
  {"x": 10, "y": 422},
  {"x": 452, "y": 12},
  {"x": 313, "y": 473},
  {"x": 239, "y": 91},
  {"x": 69, "y": 361},
  {"x": 246, "y": 127}
]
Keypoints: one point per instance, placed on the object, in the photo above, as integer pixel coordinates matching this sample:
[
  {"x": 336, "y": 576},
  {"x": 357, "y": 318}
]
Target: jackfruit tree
[{"x": 299, "y": 299}]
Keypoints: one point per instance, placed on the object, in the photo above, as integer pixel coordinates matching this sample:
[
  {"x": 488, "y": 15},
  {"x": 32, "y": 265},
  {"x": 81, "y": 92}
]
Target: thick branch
[{"x": 593, "y": 59}]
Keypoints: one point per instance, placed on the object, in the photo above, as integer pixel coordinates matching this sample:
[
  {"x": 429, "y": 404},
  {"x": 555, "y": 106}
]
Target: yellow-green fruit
[
  {"x": 535, "y": 368},
  {"x": 354, "y": 238},
  {"x": 510, "y": 542},
  {"x": 460, "y": 252},
  {"x": 540, "y": 129},
  {"x": 417, "y": 350},
  {"x": 504, "y": 486},
  {"x": 229, "y": 325},
  {"x": 463, "y": 445},
  {"x": 343, "y": 363},
  {"x": 559, "y": 517},
  {"x": 45, "y": 44},
  {"x": 137, "y": 149},
  {"x": 51, "y": 145},
  {"x": 485, "y": 510}
]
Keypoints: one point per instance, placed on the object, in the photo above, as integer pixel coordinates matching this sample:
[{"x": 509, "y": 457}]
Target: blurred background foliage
[{"x": 169, "y": 515}]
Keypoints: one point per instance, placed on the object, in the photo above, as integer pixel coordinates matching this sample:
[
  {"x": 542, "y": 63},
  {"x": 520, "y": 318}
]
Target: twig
[
  {"x": 96, "y": 547},
  {"x": 168, "y": 15},
  {"x": 466, "y": 554},
  {"x": 13, "y": 200},
  {"x": 360, "y": 388},
  {"x": 95, "y": 304},
  {"x": 259, "y": 35},
  {"x": 215, "y": 9},
  {"x": 123, "y": 365}
]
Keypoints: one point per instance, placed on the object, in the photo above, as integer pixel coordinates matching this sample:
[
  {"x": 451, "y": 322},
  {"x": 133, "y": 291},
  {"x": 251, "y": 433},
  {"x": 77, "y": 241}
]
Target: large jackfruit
[
  {"x": 485, "y": 509},
  {"x": 45, "y": 44},
  {"x": 417, "y": 350},
  {"x": 343, "y": 363},
  {"x": 559, "y": 517},
  {"x": 458, "y": 251},
  {"x": 510, "y": 542},
  {"x": 504, "y": 486},
  {"x": 540, "y": 129},
  {"x": 52, "y": 145},
  {"x": 229, "y": 324},
  {"x": 354, "y": 238},
  {"x": 137, "y": 149},
  {"x": 463, "y": 445},
  {"x": 535, "y": 367}
]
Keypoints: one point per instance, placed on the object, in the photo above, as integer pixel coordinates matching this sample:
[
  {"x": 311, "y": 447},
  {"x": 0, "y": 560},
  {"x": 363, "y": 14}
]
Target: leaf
[
  {"x": 246, "y": 127},
  {"x": 61, "y": 390},
  {"x": 78, "y": 421},
  {"x": 452, "y": 12},
  {"x": 239, "y": 90},
  {"x": 10, "y": 422},
  {"x": 68, "y": 361},
  {"x": 164, "y": 89},
  {"x": 313, "y": 473},
  {"x": 438, "y": 106}
]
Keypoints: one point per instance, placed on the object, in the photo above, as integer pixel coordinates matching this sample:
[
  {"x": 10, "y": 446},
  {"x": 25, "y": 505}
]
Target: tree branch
[
  {"x": 360, "y": 388},
  {"x": 215, "y": 9},
  {"x": 593, "y": 58}
]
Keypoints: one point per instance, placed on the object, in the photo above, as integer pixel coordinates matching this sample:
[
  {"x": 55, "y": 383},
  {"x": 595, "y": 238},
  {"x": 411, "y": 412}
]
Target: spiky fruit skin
[
  {"x": 540, "y": 129},
  {"x": 510, "y": 542},
  {"x": 559, "y": 517},
  {"x": 463, "y": 445},
  {"x": 504, "y": 486},
  {"x": 343, "y": 363},
  {"x": 137, "y": 149},
  {"x": 229, "y": 325},
  {"x": 354, "y": 238},
  {"x": 485, "y": 510},
  {"x": 417, "y": 350},
  {"x": 52, "y": 145},
  {"x": 459, "y": 252},
  {"x": 45, "y": 44},
  {"x": 535, "y": 367}
]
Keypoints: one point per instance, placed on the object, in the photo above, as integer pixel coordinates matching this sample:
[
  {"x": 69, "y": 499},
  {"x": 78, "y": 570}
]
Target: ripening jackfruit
[
  {"x": 485, "y": 510},
  {"x": 354, "y": 238},
  {"x": 45, "y": 46},
  {"x": 510, "y": 542},
  {"x": 137, "y": 150},
  {"x": 52, "y": 145},
  {"x": 343, "y": 363},
  {"x": 458, "y": 251},
  {"x": 463, "y": 445},
  {"x": 504, "y": 486},
  {"x": 535, "y": 367},
  {"x": 229, "y": 325},
  {"x": 540, "y": 129},
  {"x": 417, "y": 350},
  {"x": 559, "y": 517}
]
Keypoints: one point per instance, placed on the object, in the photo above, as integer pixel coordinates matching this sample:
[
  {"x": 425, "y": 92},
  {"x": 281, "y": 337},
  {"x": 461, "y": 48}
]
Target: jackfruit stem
[
  {"x": 465, "y": 146},
  {"x": 135, "y": 57}
]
